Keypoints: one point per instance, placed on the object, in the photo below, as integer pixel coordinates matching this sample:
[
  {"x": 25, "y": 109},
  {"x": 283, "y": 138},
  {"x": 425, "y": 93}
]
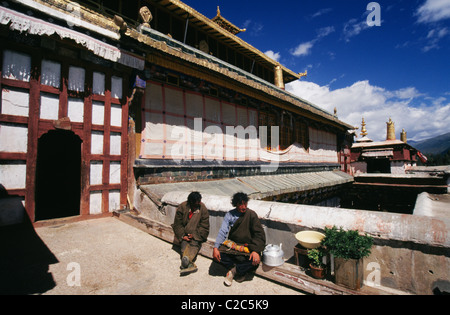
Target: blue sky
[{"x": 400, "y": 69}]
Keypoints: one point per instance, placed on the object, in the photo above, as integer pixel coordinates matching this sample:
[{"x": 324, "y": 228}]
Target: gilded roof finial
[
  {"x": 363, "y": 129},
  {"x": 403, "y": 136},
  {"x": 390, "y": 134}
]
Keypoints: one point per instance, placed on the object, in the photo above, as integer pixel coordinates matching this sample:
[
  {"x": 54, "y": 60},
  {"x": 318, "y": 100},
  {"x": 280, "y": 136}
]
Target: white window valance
[{"x": 24, "y": 23}]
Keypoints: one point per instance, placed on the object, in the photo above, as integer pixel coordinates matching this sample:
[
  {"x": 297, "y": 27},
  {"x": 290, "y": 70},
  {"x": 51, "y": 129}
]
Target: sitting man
[
  {"x": 241, "y": 252},
  {"x": 191, "y": 227}
]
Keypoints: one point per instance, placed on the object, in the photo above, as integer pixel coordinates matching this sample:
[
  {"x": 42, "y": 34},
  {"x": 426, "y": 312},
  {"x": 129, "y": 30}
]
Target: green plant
[
  {"x": 347, "y": 244},
  {"x": 316, "y": 256}
]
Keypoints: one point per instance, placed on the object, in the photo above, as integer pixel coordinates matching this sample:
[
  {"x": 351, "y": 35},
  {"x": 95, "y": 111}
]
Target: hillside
[{"x": 436, "y": 145}]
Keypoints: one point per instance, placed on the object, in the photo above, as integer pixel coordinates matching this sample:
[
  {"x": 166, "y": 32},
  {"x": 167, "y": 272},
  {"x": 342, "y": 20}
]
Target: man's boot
[
  {"x": 189, "y": 254},
  {"x": 189, "y": 269}
]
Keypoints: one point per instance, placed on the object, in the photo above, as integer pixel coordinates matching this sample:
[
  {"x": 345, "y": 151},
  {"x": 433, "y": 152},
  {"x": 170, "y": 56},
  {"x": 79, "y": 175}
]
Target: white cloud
[
  {"x": 433, "y": 38},
  {"x": 305, "y": 48},
  {"x": 321, "y": 12},
  {"x": 407, "y": 93},
  {"x": 353, "y": 28},
  {"x": 274, "y": 55},
  {"x": 422, "y": 117},
  {"x": 433, "y": 11},
  {"x": 324, "y": 31}
]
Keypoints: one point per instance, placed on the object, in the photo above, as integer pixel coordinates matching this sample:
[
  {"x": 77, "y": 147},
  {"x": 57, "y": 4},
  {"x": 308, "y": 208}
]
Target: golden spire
[
  {"x": 390, "y": 130},
  {"x": 363, "y": 129},
  {"x": 403, "y": 136}
]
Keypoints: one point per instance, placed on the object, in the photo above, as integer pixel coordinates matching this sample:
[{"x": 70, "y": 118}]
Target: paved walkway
[{"x": 107, "y": 256}]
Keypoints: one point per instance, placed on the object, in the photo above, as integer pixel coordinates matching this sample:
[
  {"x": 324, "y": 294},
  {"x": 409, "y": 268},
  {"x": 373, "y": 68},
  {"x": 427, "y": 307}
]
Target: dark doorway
[
  {"x": 378, "y": 166},
  {"x": 58, "y": 175}
]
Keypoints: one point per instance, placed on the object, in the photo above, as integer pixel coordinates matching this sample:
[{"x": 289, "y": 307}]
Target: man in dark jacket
[
  {"x": 191, "y": 227},
  {"x": 241, "y": 251}
]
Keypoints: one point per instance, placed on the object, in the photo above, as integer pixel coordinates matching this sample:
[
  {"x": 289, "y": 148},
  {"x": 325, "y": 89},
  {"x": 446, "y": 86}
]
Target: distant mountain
[{"x": 436, "y": 145}]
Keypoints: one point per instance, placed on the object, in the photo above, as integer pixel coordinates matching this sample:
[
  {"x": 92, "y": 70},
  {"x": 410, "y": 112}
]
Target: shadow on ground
[{"x": 24, "y": 261}]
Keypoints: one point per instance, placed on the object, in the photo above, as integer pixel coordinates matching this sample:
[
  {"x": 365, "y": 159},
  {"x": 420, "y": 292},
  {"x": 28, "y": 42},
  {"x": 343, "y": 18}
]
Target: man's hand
[
  {"x": 188, "y": 237},
  {"x": 216, "y": 254},
  {"x": 255, "y": 258}
]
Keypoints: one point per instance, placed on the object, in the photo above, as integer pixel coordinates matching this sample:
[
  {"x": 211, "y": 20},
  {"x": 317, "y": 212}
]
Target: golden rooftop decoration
[
  {"x": 145, "y": 16},
  {"x": 225, "y": 24},
  {"x": 363, "y": 129},
  {"x": 390, "y": 130},
  {"x": 364, "y": 138},
  {"x": 304, "y": 74},
  {"x": 403, "y": 136},
  {"x": 123, "y": 26}
]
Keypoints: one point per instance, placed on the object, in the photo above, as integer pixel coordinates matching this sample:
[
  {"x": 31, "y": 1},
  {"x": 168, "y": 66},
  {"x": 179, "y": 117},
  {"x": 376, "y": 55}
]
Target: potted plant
[
  {"x": 318, "y": 270},
  {"x": 348, "y": 248}
]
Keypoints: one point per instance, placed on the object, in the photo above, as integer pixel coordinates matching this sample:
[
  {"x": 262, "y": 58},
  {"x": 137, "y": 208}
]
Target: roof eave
[{"x": 288, "y": 74}]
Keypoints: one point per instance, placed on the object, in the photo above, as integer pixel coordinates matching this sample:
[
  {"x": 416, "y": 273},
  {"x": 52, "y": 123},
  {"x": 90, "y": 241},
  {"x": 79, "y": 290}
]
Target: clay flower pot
[{"x": 316, "y": 272}]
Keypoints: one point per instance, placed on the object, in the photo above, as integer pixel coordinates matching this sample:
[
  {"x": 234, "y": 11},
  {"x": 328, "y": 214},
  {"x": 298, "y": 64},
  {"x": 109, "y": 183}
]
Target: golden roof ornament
[
  {"x": 118, "y": 20},
  {"x": 364, "y": 138},
  {"x": 390, "y": 135},
  {"x": 363, "y": 129},
  {"x": 225, "y": 24},
  {"x": 403, "y": 136},
  {"x": 304, "y": 74},
  {"x": 145, "y": 16}
]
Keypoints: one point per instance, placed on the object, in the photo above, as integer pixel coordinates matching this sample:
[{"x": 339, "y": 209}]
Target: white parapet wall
[
  {"x": 411, "y": 253},
  {"x": 381, "y": 225}
]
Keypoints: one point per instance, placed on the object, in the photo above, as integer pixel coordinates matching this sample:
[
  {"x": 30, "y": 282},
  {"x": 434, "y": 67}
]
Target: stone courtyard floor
[{"x": 106, "y": 256}]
